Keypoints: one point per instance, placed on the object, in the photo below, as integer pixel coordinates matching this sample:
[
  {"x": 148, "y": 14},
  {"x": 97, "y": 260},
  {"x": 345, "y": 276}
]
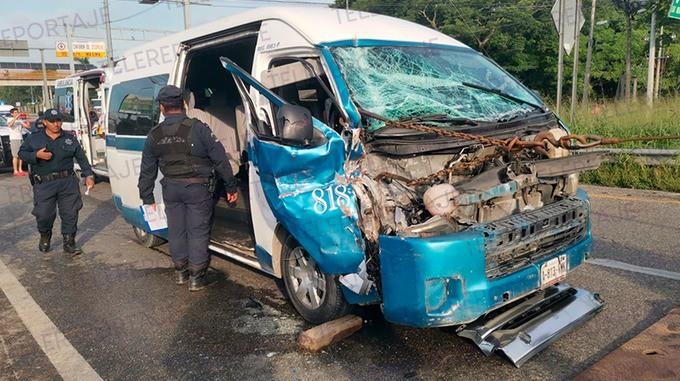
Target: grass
[
  {"x": 626, "y": 172},
  {"x": 621, "y": 120}
]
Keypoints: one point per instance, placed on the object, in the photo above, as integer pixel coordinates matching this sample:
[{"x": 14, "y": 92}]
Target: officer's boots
[
  {"x": 45, "y": 238},
  {"x": 181, "y": 273},
  {"x": 70, "y": 245},
  {"x": 198, "y": 279}
]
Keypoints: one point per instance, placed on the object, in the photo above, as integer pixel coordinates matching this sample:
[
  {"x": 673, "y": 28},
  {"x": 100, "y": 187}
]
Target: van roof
[
  {"x": 323, "y": 25},
  {"x": 318, "y": 25}
]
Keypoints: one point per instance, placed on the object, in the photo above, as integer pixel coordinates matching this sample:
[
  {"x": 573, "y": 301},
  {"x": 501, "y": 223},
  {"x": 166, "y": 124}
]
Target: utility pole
[
  {"x": 652, "y": 58},
  {"x": 574, "y": 73},
  {"x": 109, "y": 39},
  {"x": 71, "y": 62},
  {"x": 560, "y": 58},
  {"x": 44, "y": 79},
  {"x": 629, "y": 54},
  {"x": 658, "y": 65},
  {"x": 589, "y": 56},
  {"x": 187, "y": 14}
]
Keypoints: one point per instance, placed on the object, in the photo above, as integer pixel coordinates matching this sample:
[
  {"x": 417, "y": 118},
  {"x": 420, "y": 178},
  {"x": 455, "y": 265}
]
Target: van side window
[
  {"x": 301, "y": 82},
  {"x": 133, "y": 109}
]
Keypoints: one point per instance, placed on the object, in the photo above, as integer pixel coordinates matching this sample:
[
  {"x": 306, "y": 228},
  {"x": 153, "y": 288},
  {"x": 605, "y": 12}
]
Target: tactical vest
[{"x": 174, "y": 151}]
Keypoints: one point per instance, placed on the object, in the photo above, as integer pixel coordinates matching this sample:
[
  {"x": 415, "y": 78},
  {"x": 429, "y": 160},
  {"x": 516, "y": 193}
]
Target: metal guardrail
[{"x": 642, "y": 155}]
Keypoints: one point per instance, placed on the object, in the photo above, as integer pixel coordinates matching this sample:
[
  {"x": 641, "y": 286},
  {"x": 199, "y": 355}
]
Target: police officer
[
  {"x": 51, "y": 151},
  {"x": 188, "y": 155}
]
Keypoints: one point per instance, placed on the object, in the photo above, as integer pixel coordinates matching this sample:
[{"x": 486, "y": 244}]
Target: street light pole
[
  {"x": 109, "y": 39},
  {"x": 589, "y": 56},
  {"x": 574, "y": 73},
  {"x": 71, "y": 62},
  {"x": 560, "y": 58},
  {"x": 187, "y": 14},
  {"x": 652, "y": 58},
  {"x": 44, "y": 79},
  {"x": 658, "y": 66}
]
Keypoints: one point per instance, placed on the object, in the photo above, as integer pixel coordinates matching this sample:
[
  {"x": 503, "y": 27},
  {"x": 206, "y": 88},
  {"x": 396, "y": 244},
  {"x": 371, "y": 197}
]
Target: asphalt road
[{"x": 118, "y": 309}]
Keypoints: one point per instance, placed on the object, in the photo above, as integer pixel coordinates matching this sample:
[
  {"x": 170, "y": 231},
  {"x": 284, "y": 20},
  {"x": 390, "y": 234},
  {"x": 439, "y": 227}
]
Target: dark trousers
[
  {"x": 63, "y": 193},
  {"x": 189, "y": 209}
]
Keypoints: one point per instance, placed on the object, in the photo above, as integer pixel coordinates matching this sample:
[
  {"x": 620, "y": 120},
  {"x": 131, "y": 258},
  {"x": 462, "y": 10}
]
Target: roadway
[{"x": 114, "y": 312}]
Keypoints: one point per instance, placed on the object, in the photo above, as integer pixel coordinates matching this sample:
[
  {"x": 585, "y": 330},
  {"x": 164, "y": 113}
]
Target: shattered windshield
[{"x": 401, "y": 82}]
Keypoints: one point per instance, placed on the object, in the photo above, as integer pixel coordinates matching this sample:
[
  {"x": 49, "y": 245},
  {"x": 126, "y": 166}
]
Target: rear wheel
[
  {"x": 147, "y": 239},
  {"x": 315, "y": 295}
]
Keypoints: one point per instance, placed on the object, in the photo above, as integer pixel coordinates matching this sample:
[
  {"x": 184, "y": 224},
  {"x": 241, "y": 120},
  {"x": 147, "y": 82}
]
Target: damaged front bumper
[
  {"x": 527, "y": 326},
  {"x": 443, "y": 280}
]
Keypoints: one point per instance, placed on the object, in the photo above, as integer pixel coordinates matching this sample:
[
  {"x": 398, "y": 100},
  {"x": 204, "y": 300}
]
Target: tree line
[{"x": 520, "y": 35}]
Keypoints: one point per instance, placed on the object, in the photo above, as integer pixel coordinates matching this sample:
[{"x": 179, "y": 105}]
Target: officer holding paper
[{"x": 189, "y": 156}]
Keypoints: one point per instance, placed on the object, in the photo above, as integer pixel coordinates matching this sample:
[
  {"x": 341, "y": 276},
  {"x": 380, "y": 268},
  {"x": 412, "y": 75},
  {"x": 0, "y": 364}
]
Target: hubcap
[{"x": 309, "y": 284}]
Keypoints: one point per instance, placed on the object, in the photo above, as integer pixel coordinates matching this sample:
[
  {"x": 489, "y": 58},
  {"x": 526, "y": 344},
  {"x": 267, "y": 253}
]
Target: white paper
[{"x": 155, "y": 218}]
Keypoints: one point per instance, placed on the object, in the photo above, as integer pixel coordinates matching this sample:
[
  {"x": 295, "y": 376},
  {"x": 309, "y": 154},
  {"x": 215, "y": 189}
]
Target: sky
[{"x": 41, "y": 21}]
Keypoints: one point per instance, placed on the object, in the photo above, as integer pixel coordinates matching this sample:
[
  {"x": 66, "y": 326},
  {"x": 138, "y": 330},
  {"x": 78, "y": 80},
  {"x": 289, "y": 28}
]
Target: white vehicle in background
[{"x": 81, "y": 99}]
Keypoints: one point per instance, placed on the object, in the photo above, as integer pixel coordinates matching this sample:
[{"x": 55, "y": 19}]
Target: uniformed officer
[
  {"x": 51, "y": 151},
  {"x": 188, "y": 155}
]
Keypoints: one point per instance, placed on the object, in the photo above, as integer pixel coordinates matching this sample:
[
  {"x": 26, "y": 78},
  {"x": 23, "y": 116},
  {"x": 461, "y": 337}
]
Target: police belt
[
  {"x": 39, "y": 179},
  {"x": 191, "y": 180}
]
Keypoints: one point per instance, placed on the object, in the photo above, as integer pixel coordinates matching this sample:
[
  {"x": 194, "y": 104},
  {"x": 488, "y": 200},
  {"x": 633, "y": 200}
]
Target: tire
[
  {"x": 147, "y": 239},
  {"x": 300, "y": 274}
]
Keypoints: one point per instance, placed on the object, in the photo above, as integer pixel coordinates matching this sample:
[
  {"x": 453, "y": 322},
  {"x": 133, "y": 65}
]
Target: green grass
[
  {"x": 626, "y": 172},
  {"x": 621, "y": 120}
]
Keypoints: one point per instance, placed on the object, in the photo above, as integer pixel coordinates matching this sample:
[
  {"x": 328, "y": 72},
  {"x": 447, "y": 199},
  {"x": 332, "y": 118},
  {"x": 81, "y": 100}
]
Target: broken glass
[{"x": 398, "y": 82}]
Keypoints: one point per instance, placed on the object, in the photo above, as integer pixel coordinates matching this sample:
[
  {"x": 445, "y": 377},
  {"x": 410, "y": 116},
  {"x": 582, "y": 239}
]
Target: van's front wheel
[
  {"x": 315, "y": 295},
  {"x": 147, "y": 239}
]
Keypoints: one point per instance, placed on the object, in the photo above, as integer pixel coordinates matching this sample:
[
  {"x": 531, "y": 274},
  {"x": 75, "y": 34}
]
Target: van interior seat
[{"x": 221, "y": 117}]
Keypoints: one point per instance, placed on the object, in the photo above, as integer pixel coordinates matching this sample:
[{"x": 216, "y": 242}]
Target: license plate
[{"x": 553, "y": 271}]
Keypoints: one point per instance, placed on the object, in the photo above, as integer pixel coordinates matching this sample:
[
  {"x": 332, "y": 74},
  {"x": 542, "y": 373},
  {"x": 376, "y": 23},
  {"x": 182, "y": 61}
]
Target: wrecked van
[{"x": 379, "y": 165}]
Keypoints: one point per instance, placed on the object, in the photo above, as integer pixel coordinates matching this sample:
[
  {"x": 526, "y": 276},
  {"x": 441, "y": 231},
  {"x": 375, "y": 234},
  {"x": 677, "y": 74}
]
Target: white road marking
[
  {"x": 638, "y": 269},
  {"x": 65, "y": 358}
]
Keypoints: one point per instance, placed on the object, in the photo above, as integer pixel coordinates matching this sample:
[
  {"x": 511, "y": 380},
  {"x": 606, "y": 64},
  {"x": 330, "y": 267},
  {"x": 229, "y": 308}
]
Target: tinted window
[
  {"x": 133, "y": 110},
  {"x": 63, "y": 101}
]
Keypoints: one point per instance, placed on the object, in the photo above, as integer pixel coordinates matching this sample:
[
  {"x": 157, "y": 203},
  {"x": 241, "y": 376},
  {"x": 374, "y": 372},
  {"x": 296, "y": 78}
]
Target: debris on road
[{"x": 321, "y": 336}]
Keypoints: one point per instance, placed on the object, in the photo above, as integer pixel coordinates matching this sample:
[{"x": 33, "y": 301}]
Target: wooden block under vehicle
[{"x": 321, "y": 336}]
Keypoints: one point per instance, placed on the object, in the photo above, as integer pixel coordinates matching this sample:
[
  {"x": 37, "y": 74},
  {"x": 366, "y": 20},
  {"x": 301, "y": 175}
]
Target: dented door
[{"x": 305, "y": 187}]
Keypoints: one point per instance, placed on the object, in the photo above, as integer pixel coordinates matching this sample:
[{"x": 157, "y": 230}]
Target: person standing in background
[
  {"x": 52, "y": 152},
  {"x": 15, "y": 138}
]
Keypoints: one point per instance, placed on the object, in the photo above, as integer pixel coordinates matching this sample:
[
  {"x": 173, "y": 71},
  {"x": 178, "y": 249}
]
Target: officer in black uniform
[
  {"x": 51, "y": 151},
  {"x": 188, "y": 155}
]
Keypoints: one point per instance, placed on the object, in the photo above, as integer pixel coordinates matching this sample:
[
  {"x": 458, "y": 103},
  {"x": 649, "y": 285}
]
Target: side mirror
[{"x": 294, "y": 125}]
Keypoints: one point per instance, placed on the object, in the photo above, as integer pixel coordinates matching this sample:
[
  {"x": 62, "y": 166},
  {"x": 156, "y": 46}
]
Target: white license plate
[{"x": 553, "y": 271}]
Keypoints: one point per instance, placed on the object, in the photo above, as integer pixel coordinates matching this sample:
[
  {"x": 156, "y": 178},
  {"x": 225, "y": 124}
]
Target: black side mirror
[{"x": 294, "y": 125}]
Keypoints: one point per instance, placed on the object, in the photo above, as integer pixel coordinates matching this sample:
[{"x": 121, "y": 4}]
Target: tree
[
  {"x": 521, "y": 37},
  {"x": 629, "y": 8}
]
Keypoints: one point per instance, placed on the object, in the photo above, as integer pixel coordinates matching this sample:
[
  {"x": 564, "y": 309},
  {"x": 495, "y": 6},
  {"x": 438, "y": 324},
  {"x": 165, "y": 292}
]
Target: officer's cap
[
  {"x": 170, "y": 95},
  {"x": 52, "y": 115}
]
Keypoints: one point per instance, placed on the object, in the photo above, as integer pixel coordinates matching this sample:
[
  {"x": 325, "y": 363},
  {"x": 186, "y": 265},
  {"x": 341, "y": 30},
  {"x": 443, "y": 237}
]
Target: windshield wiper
[
  {"x": 440, "y": 118},
  {"x": 504, "y": 95}
]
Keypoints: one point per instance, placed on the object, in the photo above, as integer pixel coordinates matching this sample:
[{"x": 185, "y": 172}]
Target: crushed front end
[{"x": 468, "y": 198}]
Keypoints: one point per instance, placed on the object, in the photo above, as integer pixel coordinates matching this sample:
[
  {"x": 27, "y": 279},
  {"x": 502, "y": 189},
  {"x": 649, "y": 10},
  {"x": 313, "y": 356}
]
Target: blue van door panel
[{"x": 307, "y": 190}]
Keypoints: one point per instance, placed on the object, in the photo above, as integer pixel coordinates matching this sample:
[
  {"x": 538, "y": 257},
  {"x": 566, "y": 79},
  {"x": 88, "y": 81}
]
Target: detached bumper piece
[{"x": 523, "y": 328}]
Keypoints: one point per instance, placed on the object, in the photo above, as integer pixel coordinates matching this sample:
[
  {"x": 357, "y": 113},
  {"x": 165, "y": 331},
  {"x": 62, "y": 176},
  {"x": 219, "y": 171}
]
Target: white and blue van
[
  {"x": 81, "y": 99},
  {"x": 363, "y": 208}
]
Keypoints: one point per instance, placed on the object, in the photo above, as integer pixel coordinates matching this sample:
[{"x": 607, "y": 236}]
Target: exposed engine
[{"x": 433, "y": 194}]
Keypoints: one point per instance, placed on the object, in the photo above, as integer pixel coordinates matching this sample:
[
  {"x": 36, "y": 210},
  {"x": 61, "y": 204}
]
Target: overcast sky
[{"x": 37, "y": 20}]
